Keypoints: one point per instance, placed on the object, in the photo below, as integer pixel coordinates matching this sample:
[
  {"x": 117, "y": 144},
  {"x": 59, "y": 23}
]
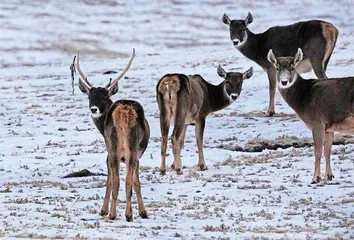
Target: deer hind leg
[
  {"x": 181, "y": 143},
  {"x": 165, "y": 127},
  {"x": 104, "y": 208},
  {"x": 114, "y": 164},
  {"x": 199, "y": 132},
  {"x": 318, "y": 137},
  {"x": 131, "y": 165},
  {"x": 272, "y": 85},
  {"x": 327, "y": 151},
  {"x": 137, "y": 189},
  {"x": 317, "y": 59}
]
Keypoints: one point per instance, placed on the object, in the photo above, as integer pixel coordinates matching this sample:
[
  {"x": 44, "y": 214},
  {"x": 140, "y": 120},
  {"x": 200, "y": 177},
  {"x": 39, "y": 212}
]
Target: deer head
[
  {"x": 285, "y": 67},
  {"x": 99, "y": 97},
  {"x": 233, "y": 82},
  {"x": 238, "y": 33}
]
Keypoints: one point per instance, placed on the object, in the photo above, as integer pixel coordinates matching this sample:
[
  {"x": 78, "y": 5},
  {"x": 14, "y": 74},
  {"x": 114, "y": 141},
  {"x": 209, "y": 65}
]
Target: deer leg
[
  {"x": 327, "y": 151},
  {"x": 318, "y": 137},
  {"x": 137, "y": 189},
  {"x": 131, "y": 165},
  {"x": 176, "y": 139},
  {"x": 165, "y": 127},
  {"x": 104, "y": 208},
  {"x": 181, "y": 143},
  {"x": 199, "y": 132},
  {"x": 272, "y": 85},
  {"x": 114, "y": 165},
  {"x": 318, "y": 63}
]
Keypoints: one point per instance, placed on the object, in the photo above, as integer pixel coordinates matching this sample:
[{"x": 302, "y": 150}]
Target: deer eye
[
  {"x": 276, "y": 68},
  {"x": 292, "y": 68},
  {"x": 243, "y": 29}
]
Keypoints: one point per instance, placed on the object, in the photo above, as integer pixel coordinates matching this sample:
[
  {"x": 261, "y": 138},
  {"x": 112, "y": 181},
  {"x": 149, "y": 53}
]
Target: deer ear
[
  {"x": 271, "y": 57},
  {"x": 248, "y": 74},
  {"x": 298, "y": 57},
  {"x": 221, "y": 72},
  {"x": 226, "y": 19},
  {"x": 249, "y": 19},
  {"x": 113, "y": 90},
  {"x": 83, "y": 87}
]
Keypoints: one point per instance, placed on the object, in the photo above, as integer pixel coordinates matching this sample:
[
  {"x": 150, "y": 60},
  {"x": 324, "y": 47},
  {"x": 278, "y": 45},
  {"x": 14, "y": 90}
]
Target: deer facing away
[
  {"x": 185, "y": 100},
  {"x": 316, "y": 38},
  {"x": 326, "y": 106},
  {"x": 126, "y": 134}
]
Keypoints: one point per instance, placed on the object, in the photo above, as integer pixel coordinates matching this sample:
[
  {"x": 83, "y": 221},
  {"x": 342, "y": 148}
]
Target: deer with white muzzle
[
  {"x": 315, "y": 37},
  {"x": 126, "y": 134},
  {"x": 187, "y": 100},
  {"x": 326, "y": 106}
]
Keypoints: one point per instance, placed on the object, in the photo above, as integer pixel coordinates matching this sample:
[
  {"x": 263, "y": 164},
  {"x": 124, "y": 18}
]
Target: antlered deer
[
  {"x": 185, "y": 100},
  {"x": 316, "y": 38},
  {"x": 326, "y": 106},
  {"x": 126, "y": 134}
]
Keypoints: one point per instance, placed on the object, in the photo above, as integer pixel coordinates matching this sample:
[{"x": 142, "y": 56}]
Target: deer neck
[
  {"x": 249, "y": 48},
  {"x": 99, "y": 122},
  {"x": 218, "y": 97},
  {"x": 297, "y": 95}
]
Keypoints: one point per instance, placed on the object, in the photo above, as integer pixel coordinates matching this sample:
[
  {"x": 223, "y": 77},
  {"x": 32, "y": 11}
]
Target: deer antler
[
  {"x": 84, "y": 79},
  {"x": 125, "y": 70}
]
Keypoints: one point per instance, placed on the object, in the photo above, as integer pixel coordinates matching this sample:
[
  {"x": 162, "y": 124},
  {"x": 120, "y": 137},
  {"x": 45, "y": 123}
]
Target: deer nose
[
  {"x": 94, "y": 109},
  {"x": 236, "y": 42},
  {"x": 284, "y": 82},
  {"x": 234, "y": 96}
]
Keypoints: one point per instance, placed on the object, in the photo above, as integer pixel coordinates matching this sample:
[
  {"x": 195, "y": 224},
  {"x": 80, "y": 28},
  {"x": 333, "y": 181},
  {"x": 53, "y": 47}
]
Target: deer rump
[
  {"x": 180, "y": 97},
  {"x": 123, "y": 133}
]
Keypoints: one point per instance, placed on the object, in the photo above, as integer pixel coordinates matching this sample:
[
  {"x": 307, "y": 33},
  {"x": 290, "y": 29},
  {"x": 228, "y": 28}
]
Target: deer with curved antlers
[{"x": 126, "y": 133}]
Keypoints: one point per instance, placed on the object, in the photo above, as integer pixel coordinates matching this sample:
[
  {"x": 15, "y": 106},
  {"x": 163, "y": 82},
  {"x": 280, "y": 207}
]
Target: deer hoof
[
  {"x": 270, "y": 113},
  {"x": 143, "y": 214},
  {"x": 103, "y": 212},
  {"x": 179, "y": 171},
  {"x": 162, "y": 171},
  {"x": 112, "y": 216},
  {"x": 202, "y": 167},
  {"x": 316, "y": 179},
  {"x": 330, "y": 177},
  {"x": 129, "y": 218}
]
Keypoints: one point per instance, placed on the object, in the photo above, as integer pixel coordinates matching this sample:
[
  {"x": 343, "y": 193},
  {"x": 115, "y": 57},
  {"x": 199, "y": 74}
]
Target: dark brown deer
[
  {"x": 126, "y": 134},
  {"x": 316, "y": 38},
  {"x": 187, "y": 100},
  {"x": 326, "y": 106}
]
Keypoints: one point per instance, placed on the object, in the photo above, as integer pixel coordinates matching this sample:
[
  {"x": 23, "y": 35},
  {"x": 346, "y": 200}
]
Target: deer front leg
[
  {"x": 272, "y": 85},
  {"x": 327, "y": 151},
  {"x": 199, "y": 132},
  {"x": 137, "y": 189},
  {"x": 104, "y": 208},
  {"x": 318, "y": 138},
  {"x": 114, "y": 165}
]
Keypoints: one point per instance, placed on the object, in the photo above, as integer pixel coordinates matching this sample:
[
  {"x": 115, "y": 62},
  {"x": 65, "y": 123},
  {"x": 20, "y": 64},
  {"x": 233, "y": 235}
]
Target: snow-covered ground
[{"x": 46, "y": 132}]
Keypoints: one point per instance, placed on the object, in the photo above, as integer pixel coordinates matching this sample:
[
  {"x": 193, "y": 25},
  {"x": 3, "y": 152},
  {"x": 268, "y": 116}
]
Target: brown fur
[
  {"x": 169, "y": 86},
  {"x": 330, "y": 33},
  {"x": 124, "y": 118},
  {"x": 185, "y": 100}
]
